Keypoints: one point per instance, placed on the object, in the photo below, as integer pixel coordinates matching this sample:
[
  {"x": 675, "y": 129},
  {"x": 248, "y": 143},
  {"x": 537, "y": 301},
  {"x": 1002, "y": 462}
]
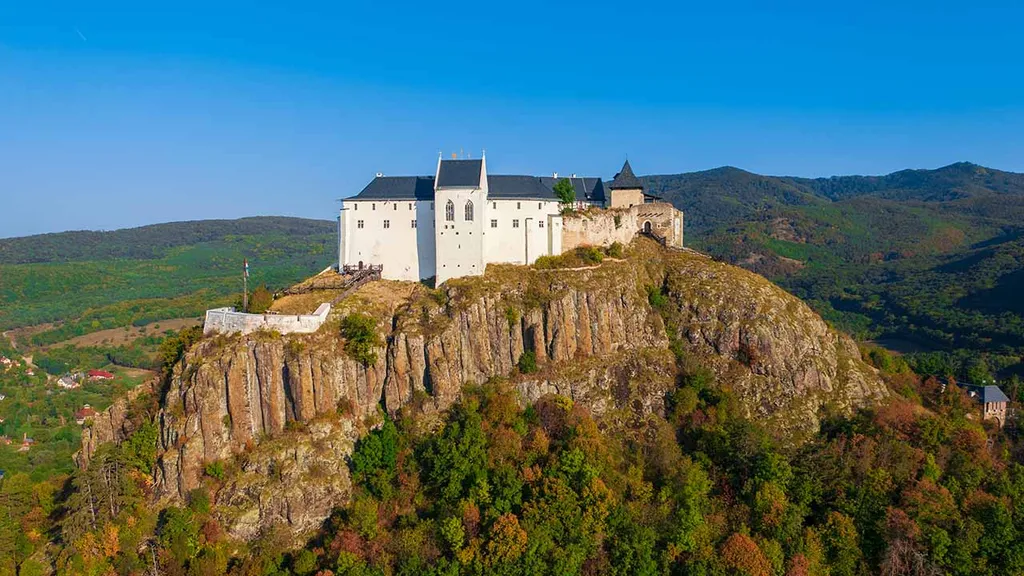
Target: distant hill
[
  {"x": 148, "y": 242},
  {"x": 933, "y": 256},
  {"x": 92, "y": 281}
]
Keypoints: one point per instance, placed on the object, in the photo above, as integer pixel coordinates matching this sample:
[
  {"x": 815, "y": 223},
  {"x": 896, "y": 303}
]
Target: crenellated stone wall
[{"x": 228, "y": 321}]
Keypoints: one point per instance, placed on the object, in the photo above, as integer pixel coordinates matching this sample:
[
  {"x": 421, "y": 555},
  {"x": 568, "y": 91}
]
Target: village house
[
  {"x": 67, "y": 382},
  {"x": 84, "y": 414},
  {"x": 994, "y": 403},
  {"x": 26, "y": 443},
  {"x": 100, "y": 375},
  {"x": 461, "y": 218}
]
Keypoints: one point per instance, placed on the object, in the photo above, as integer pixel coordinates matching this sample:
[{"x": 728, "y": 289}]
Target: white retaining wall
[{"x": 228, "y": 321}]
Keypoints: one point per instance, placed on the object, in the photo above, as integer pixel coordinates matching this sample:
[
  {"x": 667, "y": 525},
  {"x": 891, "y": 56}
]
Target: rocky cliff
[{"x": 596, "y": 336}]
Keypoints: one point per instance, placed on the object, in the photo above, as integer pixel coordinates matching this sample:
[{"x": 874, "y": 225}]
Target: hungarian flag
[{"x": 246, "y": 261}]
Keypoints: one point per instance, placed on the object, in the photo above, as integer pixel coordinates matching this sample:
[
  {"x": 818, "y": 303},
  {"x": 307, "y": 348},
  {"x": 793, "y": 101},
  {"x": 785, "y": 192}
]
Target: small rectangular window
[
  {"x": 387, "y": 224},
  {"x": 540, "y": 224},
  {"x": 431, "y": 205},
  {"x": 373, "y": 206},
  {"x": 515, "y": 223},
  {"x": 355, "y": 206},
  {"x": 410, "y": 205},
  {"x": 395, "y": 205},
  {"x": 494, "y": 223},
  {"x": 494, "y": 205},
  {"x": 413, "y": 223},
  {"x": 359, "y": 223},
  {"x": 519, "y": 205},
  {"x": 539, "y": 206}
]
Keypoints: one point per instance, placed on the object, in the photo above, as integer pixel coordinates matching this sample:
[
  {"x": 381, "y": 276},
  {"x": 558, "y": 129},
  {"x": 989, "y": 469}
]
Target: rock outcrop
[
  {"x": 114, "y": 424},
  {"x": 595, "y": 335}
]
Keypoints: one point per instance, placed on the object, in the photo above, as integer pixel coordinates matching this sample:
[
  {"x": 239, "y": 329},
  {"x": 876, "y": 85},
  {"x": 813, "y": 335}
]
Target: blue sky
[{"x": 121, "y": 114}]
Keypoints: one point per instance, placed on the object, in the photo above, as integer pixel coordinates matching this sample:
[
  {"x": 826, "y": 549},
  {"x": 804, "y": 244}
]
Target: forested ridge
[
  {"x": 931, "y": 257},
  {"x": 148, "y": 242}
]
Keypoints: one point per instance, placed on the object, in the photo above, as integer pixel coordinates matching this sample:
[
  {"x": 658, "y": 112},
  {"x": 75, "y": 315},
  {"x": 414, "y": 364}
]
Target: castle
[{"x": 460, "y": 219}]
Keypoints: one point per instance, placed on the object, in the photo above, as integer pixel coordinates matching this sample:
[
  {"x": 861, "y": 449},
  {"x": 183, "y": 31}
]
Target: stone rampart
[
  {"x": 602, "y": 227},
  {"x": 228, "y": 321}
]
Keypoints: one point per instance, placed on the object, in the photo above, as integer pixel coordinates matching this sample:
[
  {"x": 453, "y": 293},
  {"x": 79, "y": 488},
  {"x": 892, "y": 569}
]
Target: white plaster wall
[
  {"x": 460, "y": 243},
  {"x": 506, "y": 244},
  {"x": 407, "y": 253},
  {"x": 228, "y": 321}
]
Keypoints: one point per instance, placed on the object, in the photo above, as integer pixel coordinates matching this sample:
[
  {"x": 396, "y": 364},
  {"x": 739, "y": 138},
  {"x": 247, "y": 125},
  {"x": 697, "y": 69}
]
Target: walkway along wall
[{"x": 228, "y": 321}]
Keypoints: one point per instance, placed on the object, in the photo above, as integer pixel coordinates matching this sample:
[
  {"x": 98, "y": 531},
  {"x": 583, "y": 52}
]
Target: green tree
[
  {"x": 361, "y": 339},
  {"x": 565, "y": 191},
  {"x": 179, "y": 534},
  {"x": 374, "y": 459}
]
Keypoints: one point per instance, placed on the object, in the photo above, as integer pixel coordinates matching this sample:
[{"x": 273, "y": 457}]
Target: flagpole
[{"x": 245, "y": 286}]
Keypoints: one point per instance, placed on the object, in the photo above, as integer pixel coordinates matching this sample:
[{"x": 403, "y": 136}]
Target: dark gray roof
[
  {"x": 591, "y": 189},
  {"x": 988, "y": 394},
  {"x": 459, "y": 173},
  {"x": 499, "y": 186},
  {"x": 506, "y": 186},
  {"x": 626, "y": 179},
  {"x": 398, "y": 188}
]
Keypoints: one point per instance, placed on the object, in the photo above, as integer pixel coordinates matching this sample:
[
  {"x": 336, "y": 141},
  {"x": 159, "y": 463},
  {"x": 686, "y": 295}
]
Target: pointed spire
[{"x": 625, "y": 179}]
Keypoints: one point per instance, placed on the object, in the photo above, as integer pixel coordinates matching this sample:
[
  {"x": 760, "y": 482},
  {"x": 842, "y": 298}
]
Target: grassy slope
[{"x": 164, "y": 271}]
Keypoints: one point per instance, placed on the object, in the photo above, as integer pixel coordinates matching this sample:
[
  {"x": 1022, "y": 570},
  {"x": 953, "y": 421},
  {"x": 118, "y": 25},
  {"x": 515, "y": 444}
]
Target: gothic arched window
[
  {"x": 469, "y": 210},
  {"x": 449, "y": 211}
]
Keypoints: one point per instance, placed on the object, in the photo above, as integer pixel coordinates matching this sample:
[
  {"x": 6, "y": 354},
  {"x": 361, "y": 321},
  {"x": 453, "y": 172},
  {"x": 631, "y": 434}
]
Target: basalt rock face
[
  {"x": 782, "y": 360},
  {"x": 596, "y": 339},
  {"x": 113, "y": 424}
]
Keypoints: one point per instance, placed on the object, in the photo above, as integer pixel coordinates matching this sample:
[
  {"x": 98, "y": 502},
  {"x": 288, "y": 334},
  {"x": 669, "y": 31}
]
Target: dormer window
[{"x": 449, "y": 211}]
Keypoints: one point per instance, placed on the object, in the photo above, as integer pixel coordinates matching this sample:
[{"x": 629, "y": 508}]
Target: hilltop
[
  {"x": 612, "y": 337},
  {"x": 658, "y": 412}
]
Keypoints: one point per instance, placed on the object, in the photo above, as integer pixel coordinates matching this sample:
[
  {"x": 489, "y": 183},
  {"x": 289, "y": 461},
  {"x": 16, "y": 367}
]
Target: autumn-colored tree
[
  {"x": 507, "y": 541},
  {"x": 261, "y": 300},
  {"x": 741, "y": 554}
]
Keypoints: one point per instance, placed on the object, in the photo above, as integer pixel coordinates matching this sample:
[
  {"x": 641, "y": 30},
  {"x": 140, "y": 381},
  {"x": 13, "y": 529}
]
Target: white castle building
[{"x": 460, "y": 219}]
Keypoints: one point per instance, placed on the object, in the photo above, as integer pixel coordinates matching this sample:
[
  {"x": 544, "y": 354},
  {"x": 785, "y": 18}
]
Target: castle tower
[
  {"x": 626, "y": 189},
  {"x": 460, "y": 200}
]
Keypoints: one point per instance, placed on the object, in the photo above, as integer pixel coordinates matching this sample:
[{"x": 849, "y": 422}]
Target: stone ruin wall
[
  {"x": 228, "y": 321},
  {"x": 598, "y": 227}
]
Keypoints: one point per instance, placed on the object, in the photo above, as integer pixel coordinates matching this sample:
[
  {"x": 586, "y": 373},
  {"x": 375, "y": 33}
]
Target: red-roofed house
[
  {"x": 84, "y": 414},
  {"x": 100, "y": 375}
]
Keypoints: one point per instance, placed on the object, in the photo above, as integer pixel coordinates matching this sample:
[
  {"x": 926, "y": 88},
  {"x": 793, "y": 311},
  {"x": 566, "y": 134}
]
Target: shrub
[
  {"x": 615, "y": 250},
  {"x": 512, "y": 316},
  {"x": 656, "y": 299},
  {"x": 528, "y": 362},
  {"x": 215, "y": 470},
  {"x": 199, "y": 501},
  {"x": 590, "y": 254},
  {"x": 361, "y": 339}
]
